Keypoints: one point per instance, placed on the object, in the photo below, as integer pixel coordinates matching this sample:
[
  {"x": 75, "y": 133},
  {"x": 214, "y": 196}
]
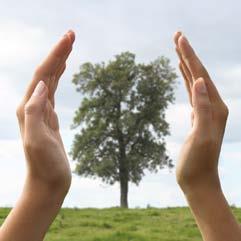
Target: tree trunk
[
  {"x": 124, "y": 191},
  {"x": 124, "y": 179},
  {"x": 123, "y": 164}
]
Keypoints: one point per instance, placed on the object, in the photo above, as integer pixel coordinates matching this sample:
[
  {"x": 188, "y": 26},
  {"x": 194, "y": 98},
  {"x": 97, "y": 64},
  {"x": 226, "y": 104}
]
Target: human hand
[
  {"x": 46, "y": 158},
  {"x": 48, "y": 171},
  {"x": 197, "y": 166}
]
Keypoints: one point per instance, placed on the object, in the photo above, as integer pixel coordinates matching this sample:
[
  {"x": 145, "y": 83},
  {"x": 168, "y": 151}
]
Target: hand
[
  {"x": 46, "y": 158},
  {"x": 197, "y": 166},
  {"x": 48, "y": 171}
]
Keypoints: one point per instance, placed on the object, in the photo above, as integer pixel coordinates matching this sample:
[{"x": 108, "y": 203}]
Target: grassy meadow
[{"x": 115, "y": 224}]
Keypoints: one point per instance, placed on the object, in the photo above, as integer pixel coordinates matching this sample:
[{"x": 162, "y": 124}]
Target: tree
[{"x": 122, "y": 119}]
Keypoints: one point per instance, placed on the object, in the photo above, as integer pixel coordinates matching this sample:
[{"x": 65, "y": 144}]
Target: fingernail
[
  {"x": 185, "y": 38},
  {"x": 177, "y": 35},
  {"x": 71, "y": 35},
  {"x": 65, "y": 35},
  {"x": 39, "y": 89},
  {"x": 201, "y": 86}
]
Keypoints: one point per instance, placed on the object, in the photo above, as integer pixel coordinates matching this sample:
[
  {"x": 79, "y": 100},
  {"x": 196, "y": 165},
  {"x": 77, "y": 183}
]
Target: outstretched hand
[
  {"x": 48, "y": 171},
  {"x": 44, "y": 150},
  {"x": 197, "y": 166}
]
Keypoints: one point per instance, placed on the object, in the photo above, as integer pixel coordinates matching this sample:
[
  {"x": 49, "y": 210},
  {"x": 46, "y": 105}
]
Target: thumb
[
  {"x": 35, "y": 107},
  {"x": 201, "y": 105}
]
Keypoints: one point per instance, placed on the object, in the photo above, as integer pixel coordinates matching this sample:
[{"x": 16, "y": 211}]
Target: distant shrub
[
  {"x": 233, "y": 205},
  {"x": 148, "y": 206}
]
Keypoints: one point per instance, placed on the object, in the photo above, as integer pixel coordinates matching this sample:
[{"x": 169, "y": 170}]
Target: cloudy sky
[{"x": 104, "y": 28}]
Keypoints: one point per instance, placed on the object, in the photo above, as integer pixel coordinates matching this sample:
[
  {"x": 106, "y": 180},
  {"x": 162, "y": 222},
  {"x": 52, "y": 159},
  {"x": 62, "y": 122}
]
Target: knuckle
[
  {"x": 225, "y": 111},
  {"x": 27, "y": 145},
  {"x": 33, "y": 146},
  {"x": 204, "y": 107},
  {"x": 203, "y": 140},
  {"x": 38, "y": 70},
  {"x": 42, "y": 72},
  {"x": 20, "y": 112},
  {"x": 29, "y": 108}
]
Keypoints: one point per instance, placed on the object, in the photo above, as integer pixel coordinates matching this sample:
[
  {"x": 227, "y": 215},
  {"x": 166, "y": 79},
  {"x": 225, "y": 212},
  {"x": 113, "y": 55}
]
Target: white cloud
[
  {"x": 19, "y": 43},
  {"x": 12, "y": 171},
  {"x": 233, "y": 124},
  {"x": 9, "y": 100},
  {"x": 104, "y": 29},
  {"x": 227, "y": 78},
  {"x": 179, "y": 118}
]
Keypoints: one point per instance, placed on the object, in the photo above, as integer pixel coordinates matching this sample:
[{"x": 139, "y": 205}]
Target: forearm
[
  {"x": 34, "y": 212},
  {"x": 213, "y": 215}
]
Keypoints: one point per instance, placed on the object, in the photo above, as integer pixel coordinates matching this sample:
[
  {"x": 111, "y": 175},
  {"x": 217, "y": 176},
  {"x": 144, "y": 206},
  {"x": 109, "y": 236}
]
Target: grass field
[{"x": 115, "y": 224}]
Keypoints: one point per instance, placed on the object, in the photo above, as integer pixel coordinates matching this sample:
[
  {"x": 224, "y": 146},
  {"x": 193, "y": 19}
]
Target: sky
[{"x": 103, "y": 29}]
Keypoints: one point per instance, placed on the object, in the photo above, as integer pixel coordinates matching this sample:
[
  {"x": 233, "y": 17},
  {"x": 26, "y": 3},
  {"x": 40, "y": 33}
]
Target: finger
[
  {"x": 196, "y": 68},
  {"x": 35, "y": 108},
  {"x": 58, "y": 55},
  {"x": 51, "y": 118},
  {"x": 193, "y": 63},
  {"x": 54, "y": 79},
  {"x": 177, "y": 35},
  {"x": 55, "y": 82},
  {"x": 52, "y": 63},
  {"x": 71, "y": 35},
  {"x": 187, "y": 83},
  {"x": 59, "y": 74},
  {"x": 184, "y": 67},
  {"x": 201, "y": 106}
]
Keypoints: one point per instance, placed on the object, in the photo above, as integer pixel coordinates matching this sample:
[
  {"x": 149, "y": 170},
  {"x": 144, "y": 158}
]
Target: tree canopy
[{"x": 121, "y": 119}]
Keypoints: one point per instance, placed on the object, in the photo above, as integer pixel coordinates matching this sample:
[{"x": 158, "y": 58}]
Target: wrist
[
  {"x": 203, "y": 193},
  {"x": 213, "y": 215},
  {"x": 50, "y": 192},
  {"x": 207, "y": 183}
]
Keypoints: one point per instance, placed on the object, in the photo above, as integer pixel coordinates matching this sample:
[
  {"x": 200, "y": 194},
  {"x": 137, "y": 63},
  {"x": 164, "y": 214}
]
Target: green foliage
[{"x": 122, "y": 117}]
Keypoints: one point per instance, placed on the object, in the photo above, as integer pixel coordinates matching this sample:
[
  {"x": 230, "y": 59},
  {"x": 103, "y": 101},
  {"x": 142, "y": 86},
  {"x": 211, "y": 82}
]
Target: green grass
[{"x": 115, "y": 224}]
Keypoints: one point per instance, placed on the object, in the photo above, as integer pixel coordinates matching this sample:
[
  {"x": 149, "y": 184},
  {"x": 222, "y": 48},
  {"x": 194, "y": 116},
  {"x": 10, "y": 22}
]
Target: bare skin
[
  {"x": 197, "y": 167},
  {"x": 48, "y": 175},
  {"x": 48, "y": 172}
]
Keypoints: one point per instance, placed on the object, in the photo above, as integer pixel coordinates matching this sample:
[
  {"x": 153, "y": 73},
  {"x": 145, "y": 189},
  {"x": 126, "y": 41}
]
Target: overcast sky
[{"x": 28, "y": 29}]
